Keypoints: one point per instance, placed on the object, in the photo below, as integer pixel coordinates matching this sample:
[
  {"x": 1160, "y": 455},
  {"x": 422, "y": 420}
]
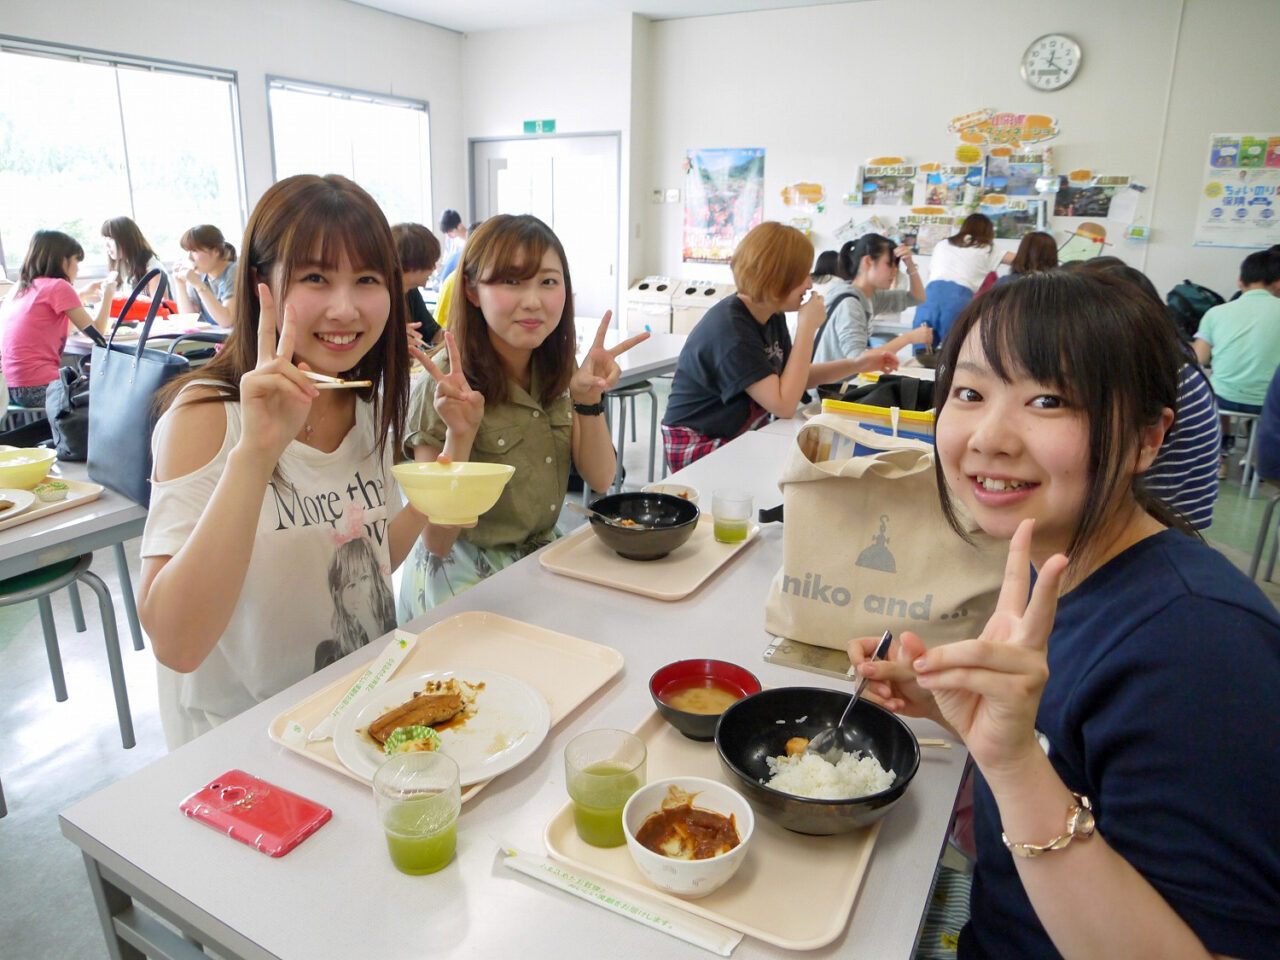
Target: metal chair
[
  {"x": 1248, "y": 472},
  {"x": 630, "y": 392},
  {"x": 38, "y": 585},
  {"x": 1263, "y": 530}
]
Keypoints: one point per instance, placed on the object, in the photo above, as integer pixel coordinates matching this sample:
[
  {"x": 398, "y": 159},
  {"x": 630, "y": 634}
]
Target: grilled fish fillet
[{"x": 425, "y": 710}]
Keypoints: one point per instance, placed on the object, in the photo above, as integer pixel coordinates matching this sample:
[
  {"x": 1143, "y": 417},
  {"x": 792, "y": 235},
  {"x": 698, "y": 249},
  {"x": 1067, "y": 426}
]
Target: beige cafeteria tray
[
  {"x": 564, "y": 669},
  {"x": 78, "y": 492},
  {"x": 583, "y": 556},
  {"x": 792, "y": 890}
]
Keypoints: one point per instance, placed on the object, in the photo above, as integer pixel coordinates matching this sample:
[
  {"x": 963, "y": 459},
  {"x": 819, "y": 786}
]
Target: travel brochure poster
[
  {"x": 1240, "y": 200},
  {"x": 885, "y": 185},
  {"x": 724, "y": 199}
]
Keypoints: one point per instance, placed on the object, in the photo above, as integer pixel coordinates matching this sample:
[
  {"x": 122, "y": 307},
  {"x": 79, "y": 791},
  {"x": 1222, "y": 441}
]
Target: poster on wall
[
  {"x": 944, "y": 184},
  {"x": 1012, "y": 217},
  {"x": 1240, "y": 201},
  {"x": 724, "y": 199},
  {"x": 1083, "y": 197},
  {"x": 885, "y": 185}
]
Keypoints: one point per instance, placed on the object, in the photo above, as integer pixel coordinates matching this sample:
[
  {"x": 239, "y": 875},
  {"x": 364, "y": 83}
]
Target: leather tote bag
[
  {"x": 865, "y": 547},
  {"x": 123, "y": 381}
]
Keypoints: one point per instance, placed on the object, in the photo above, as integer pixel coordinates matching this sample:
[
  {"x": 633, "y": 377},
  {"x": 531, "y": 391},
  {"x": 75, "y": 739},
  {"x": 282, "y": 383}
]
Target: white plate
[
  {"x": 21, "y": 499},
  {"x": 511, "y": 720}
]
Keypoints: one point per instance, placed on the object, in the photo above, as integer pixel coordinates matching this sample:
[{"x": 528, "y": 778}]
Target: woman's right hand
[
  {"x": 891, "y": 682},
  {"x": 275, "y": 396},
  {"x": 812, "y": 313},
  {"x": 922, "y": 334},
  {"x": 460, "y": 407}
]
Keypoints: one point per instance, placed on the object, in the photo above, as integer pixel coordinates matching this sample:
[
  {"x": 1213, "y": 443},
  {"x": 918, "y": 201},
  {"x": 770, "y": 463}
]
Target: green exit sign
[{"x": 539, "y": 126}]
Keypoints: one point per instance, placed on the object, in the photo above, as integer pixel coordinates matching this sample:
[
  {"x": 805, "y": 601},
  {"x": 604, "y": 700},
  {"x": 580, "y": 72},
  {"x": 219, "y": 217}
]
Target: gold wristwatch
[{"x": 1080, "y": 824}]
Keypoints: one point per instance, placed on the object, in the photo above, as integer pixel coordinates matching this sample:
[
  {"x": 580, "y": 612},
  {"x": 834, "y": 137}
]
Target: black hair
[
  {"x": 1048, "y": 327},
  {"x": 450, "y": 220},
  {"x": 45, "y": 256},
  {"x": 868, "y": 245},
  {"x": 827, "y": 264},
  {"x": 1257, "y": 268}
]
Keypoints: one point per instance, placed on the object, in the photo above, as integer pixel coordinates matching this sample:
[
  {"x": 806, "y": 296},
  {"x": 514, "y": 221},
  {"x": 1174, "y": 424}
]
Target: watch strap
[
  {"x": 1080, "y": 825},
  {"x": 589, "y": 409}
]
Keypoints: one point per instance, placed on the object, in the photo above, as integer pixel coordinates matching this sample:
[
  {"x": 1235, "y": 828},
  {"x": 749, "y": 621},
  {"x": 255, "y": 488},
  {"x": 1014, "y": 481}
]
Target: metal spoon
[
  {"x": 835, "y": 741},
  {"x": 611, "y": 521}
]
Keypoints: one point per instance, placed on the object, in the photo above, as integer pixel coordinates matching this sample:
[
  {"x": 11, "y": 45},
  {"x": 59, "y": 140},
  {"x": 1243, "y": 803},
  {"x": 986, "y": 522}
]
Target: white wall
[
  {"x": 327, "y": 41},
  {"x": 578, "y": 74},
  {"x": 824, "y": 88}
]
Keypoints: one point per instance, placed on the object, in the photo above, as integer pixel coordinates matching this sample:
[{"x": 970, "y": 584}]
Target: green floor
[{"x": 1236, "y": 520}]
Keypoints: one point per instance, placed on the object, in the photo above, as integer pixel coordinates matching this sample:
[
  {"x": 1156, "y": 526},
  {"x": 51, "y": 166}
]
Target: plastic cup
[
  {"x": 731, "y": 515},
  {"x": 602, "y": 769},
  {"x": 418, "y": 804}
]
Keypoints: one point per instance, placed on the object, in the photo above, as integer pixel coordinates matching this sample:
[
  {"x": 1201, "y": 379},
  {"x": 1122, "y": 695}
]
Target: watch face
[{"x": 1051, "y": 62}]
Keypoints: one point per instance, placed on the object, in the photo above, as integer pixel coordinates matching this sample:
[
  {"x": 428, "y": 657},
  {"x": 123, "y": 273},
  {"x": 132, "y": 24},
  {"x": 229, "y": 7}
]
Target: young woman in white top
[
  {"x": 262, "y": 482},
  {"x": 129, "y": 254},
  {"x": 959, "y": 265}
]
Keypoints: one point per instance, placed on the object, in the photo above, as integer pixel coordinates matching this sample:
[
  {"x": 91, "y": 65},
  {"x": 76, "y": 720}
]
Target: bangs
[
  {"x": 1024, "y": 332},
  {"x": 511, "y": 254},
  {"x": 335, "y": 228}
]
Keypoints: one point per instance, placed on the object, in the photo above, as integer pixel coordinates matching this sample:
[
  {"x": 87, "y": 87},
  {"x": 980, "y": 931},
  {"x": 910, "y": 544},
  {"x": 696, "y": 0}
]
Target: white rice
[{"x": 808, "y": 775}]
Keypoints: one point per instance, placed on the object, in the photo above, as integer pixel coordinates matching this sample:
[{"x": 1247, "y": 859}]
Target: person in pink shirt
[{"x": 35, "y": 318}]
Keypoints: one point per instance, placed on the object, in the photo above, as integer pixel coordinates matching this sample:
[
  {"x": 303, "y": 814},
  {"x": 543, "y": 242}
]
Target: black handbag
[
  {"x": 66, "y": 403},
  {"x": 123, "y": 382},
  {"x": 891, "y": 390}
]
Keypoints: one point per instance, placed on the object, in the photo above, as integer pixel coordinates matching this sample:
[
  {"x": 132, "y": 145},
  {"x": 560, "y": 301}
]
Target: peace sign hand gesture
[
  {"x": 460, "y": 407},
  {"x": 989, "y": 689},
  {"x": 275, "y": 396},
  {"x": 599, "y": 370}
]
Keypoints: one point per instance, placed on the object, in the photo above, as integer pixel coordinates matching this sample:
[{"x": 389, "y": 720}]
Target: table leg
[
  {"x": 110, "y": 900},
  {"x": 126, "y": 588}
]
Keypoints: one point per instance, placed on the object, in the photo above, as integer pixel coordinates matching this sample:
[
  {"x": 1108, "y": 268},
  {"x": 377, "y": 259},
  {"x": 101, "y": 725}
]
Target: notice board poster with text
[
  {"x": 724, "y": 199},
  {"x": 1240, "y": 201}
]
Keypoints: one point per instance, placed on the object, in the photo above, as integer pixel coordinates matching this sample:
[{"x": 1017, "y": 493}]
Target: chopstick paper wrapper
[
  {"x": 657, "y": 916},
  {"x": 397, "y": 650}
]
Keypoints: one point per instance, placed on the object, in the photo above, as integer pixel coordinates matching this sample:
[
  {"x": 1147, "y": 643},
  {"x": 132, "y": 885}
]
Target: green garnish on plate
[{"x": 412, "y": 739}]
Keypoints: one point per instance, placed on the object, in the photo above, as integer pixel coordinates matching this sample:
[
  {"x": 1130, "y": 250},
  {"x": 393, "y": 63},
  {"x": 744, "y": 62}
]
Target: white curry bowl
[
  {"x": 674, "y": 489},
  {"x": 690, "y": 879}
]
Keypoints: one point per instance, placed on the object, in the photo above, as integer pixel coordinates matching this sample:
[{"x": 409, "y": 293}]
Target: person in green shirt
[{"x": 510, "y": 392}]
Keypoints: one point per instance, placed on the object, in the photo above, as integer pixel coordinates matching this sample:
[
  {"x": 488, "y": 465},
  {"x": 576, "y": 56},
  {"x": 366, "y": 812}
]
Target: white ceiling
[{"x": 470, "y": 16}]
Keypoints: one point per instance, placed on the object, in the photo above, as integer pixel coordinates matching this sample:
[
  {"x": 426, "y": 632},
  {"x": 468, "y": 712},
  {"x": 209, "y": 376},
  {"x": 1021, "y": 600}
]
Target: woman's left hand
[
  {"x": 878, "y": 359},
  {"x": 989, "y": 689},
  {"x": 599, "y": 370}
]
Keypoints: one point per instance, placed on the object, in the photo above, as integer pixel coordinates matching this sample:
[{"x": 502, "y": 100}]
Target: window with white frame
[
  {"x": 86, "y": 136},
  {"x": 382, "y": 143}
]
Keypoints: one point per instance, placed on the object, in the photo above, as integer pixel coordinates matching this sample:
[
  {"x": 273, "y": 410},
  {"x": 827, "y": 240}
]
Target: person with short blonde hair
[{"x": 739, "y": 366}]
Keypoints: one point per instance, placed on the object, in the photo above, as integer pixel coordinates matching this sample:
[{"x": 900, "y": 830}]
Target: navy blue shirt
[
  {"x": 1269, "y": 432},
  {"x": 1162, "y": 708},
  {"x": 727, "y": 351}
]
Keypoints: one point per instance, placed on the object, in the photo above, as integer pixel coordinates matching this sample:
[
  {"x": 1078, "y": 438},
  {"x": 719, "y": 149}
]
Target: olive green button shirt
[{"x": 534, "y": 439}]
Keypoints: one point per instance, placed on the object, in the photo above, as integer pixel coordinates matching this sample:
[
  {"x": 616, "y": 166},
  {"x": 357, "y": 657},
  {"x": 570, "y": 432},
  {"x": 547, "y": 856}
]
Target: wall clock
[{"x": 1051, "y": 62}]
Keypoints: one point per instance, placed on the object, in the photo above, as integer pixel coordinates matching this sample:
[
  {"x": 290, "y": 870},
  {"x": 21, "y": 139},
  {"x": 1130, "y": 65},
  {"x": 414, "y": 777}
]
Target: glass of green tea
[
  {"x": 418, "y": 804},
  {"x": 602, "y": 769},
  {"x": 730, "y": 515}
]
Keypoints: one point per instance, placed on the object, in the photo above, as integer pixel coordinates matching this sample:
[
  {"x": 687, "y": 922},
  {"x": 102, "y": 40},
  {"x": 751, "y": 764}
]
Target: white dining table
[
  {"x": 338, "y": 896},
  {"x": 108, "y": 521}
]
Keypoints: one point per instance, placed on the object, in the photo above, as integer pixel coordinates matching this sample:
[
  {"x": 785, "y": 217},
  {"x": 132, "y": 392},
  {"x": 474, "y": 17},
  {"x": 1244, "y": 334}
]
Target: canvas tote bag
[
  {"x": 123, "y": 380},
  {"x": 866, "y": 548}
]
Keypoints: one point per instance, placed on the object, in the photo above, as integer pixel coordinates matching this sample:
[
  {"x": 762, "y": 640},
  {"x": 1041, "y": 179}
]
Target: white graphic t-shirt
[{"x": 319, "y": 579}]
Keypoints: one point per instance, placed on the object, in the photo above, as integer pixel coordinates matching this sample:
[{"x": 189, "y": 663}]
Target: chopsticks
[{"x": 324, "y": 382}]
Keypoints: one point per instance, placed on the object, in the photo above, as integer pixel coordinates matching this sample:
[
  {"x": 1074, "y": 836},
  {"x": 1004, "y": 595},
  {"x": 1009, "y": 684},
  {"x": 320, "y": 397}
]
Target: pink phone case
[{"x": 253, "y": 811}]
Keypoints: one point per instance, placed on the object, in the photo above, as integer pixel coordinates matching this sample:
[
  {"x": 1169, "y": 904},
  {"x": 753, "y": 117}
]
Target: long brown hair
[
  {"x": 133, "y": 253},
  {"x": 976, "y": 231},
  {"x": 298, "y": 220},
  {"x": 510, "y": 248},
  {"x": 206, "y": 236},
  {"x": 1047, "y": 326}
]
